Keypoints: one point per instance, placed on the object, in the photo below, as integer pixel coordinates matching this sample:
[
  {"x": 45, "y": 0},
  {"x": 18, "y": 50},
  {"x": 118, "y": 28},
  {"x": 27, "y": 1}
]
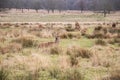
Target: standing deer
[{"x": 49, "y": 44}]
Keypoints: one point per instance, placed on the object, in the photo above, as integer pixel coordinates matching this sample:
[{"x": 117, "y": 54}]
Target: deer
[{"x": 50, "y": 44}]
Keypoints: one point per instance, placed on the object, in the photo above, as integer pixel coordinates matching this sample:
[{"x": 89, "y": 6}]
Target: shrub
[
  {"x": 90, "y": 36},
  {"x": 73, "y": 61},
  {"x": 105, "y": 30},
  {"x": 98, "y": 28},
  {"x": 114, "y": 25},
  {"x": 100, "y": 42},
  {"x": 26, "y": 42},
  {"x": 79, "y": 52},
  {"x": 2, "y": 39},
  {"x": 115, "y": 40},
  {"x": 69, "y": 28},
  {"x": 119, "y": 44},
  {"x": 4, "y": 74},
  {"x": 114, "y": 74},
  {"x": 99, "y": 34},
  {"x": 70, "y": 35},
  {"x": 55, "y": 50},
  {"x": 63, "y": 36}
]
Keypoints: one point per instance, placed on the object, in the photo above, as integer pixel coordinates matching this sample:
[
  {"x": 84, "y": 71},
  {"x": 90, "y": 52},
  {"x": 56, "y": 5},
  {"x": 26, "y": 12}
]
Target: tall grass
[
  {"x": 26, "y": 42},
  {"x": 79, "y": 52},
  {"x": 4, "y": 74}
]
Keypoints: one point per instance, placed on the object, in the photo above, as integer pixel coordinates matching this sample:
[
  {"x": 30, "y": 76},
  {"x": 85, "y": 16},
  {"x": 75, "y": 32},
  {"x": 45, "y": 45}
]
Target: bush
[
  {"x": 63, "y": 36},
  {"x": 56, "y": 50},
  {"x": 99, "y": 34},
  {"x": 26, "y": 42},
  {"x": 70, "y": 35},
  {"x": 117, "y": 40},
  {"x": 79, "y": 52},
  {"x": 113, "y": 41},
  {"x": 100, "y": 42},
  {"x": 69, "y": 28},
  {"x": 2, "y": 39},
  {"x": 114, "y": 25},
  {"x": 73, "y": 61},
  {"x": 114, "y": 74},
  {"x": 98, "y": 28}
]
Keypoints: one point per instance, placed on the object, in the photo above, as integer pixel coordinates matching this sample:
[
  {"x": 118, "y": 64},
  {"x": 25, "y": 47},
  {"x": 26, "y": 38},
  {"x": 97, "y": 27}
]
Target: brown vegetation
[
  {"x": 25, "y": 41},
  {"x": 11, "y": 48}
]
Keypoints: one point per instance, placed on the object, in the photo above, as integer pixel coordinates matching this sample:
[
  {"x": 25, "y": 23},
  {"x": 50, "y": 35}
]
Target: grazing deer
[{"x": 48, "y": 44}]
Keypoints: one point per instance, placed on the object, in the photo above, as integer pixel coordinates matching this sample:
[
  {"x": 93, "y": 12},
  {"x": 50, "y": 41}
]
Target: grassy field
[
  {"x": 68, "y": 16},
  {"x": 89, "y": 54},
  {"x": 87, "y": 47}
]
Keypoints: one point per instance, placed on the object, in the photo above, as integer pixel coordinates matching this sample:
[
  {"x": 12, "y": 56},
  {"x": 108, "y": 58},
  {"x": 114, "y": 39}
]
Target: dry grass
[
  {"x": 29, "y": 63},
  {"x": 11, "y": 48},
  {"x": 56, "y": 50},
  {"x": 79, "y": 52},
  {"x": 25, "y": 41},
  {"x": 115, "y": 74},
  {"x": 2, "y": 39},
  {"x": 70, "y": 35},
  {"x": 64, "y": 62},
  {"x": 58, "y": 62},
  {"x": 100, "y": 42}
]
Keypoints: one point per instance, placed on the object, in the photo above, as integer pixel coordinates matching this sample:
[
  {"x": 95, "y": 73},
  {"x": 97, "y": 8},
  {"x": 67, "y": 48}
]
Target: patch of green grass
[{"x": 83, "y": 42}]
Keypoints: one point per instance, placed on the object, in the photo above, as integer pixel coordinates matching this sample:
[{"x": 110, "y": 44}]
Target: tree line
[{"x": 50, "y": 5}]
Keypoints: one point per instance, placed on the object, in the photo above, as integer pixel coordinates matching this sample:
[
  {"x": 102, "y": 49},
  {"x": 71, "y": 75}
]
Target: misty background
[{"x": 50, "y": 5}]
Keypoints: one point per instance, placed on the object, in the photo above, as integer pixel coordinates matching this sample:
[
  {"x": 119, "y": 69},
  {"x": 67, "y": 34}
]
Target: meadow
[
  {"x": 65, "y": 16},
  {"x": 32, "y": 48}
]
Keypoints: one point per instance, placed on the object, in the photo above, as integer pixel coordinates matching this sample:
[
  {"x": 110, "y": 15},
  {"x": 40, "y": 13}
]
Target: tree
[
  {"x": 106, "y": 6},
  {"x": 60, "y": 5},
  {"x": 80, "y": 4},
  {"x": 50, "y": 5},
  {"x": 37, "y": 5}
]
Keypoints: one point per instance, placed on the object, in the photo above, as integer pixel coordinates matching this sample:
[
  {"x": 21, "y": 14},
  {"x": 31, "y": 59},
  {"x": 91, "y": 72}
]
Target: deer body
[{"x": 49, "y": 44}]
